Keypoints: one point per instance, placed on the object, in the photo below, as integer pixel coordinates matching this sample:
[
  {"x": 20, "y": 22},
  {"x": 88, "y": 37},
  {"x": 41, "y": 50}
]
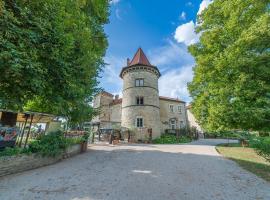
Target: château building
[{"x": 140, "y": 108}]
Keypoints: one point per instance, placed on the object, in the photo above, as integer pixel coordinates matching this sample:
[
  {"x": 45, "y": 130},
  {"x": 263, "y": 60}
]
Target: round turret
[{"x": 140, "y": 104}]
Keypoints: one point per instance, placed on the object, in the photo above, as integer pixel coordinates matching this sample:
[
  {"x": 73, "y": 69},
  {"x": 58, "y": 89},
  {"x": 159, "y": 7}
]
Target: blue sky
[{"x": 163, "y": 30}]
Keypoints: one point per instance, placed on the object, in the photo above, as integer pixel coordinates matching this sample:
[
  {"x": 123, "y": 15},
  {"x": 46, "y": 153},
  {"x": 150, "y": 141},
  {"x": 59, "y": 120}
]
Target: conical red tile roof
[{"x": 140, "y": 58}]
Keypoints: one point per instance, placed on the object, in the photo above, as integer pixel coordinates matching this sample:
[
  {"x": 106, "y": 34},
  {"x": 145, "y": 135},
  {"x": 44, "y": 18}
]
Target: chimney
[
  {"x": 116, "y": 97},
  {"x": 128, "y": 61}
]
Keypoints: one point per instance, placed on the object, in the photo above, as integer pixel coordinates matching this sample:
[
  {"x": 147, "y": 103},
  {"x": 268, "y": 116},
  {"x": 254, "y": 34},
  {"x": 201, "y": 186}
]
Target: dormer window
[{"x": 139, "y": 82}]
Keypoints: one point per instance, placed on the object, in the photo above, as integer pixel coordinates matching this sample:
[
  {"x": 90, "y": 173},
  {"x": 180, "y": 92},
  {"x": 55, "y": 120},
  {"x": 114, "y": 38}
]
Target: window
[
  {"x": 173, "y": 124},
  {"x": 179, "y": 109},
  {"x": 139, "y": 101},
  {"x": 171, "y": 108},
  {"x": 139, "y": 82},
  {"x": 139, "y": 122},
  {"x": 181, "y": 124}
]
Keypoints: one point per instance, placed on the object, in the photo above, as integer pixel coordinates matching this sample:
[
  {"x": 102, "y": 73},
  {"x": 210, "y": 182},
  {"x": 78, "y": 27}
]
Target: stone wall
[
  {"x": 166, "y": 114},
  {"x": 150, "y": 110},
  {"x": 15, "y": 164},
  {"x": 116, "y": 112},
  {"x": 102, "y": 101}
]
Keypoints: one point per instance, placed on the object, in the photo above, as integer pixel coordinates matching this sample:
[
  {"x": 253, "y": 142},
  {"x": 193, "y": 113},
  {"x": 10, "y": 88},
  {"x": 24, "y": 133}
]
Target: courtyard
[{"x": 192, "y": 171}]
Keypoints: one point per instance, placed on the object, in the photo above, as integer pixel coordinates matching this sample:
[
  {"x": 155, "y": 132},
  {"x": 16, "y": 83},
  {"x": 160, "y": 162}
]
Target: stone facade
[
  {"x": 149, "y": 111},
  {"x": 156, "y": 113},
  {"x": 172, "y": 114}
]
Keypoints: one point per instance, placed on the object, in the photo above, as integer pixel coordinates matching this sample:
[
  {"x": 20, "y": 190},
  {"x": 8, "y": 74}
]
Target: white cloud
[
  {"x": 185, "y": 33},
  {"x": 174, "y": 83},
  {"x": 110, "y": 80},
  {"x": 114, "y": 1},
  {"x": 204, "y": 4},
  {"x": 170, "y": 55},
  {"x": 183, "y": 16},
  {"x": 117, "y": 14},
  {"x": 189, "y": 4},
  {"x": 175, "y": 64}
]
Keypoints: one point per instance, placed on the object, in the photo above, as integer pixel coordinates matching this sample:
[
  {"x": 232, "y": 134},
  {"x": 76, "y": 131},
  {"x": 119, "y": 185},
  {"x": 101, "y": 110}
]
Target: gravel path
[{"x": 139, "y": 172}]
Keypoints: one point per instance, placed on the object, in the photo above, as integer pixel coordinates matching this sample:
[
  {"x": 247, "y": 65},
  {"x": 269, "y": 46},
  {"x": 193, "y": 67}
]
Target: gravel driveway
[{"x": 137, "y": 172}]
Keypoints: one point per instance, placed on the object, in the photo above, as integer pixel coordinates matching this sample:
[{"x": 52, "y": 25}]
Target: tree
[
  {"x": 51, "y": 53},
  {"x": 231, "y": 84}
]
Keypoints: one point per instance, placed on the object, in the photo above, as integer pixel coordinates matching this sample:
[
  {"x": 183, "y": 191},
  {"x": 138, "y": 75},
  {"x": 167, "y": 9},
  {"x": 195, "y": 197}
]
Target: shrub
[
  {"x": 51, "y": 144},
  {"x": 262, "y": 146},
  {"x": 8, "y": 151},
  {"x": 171, "y": 139}
]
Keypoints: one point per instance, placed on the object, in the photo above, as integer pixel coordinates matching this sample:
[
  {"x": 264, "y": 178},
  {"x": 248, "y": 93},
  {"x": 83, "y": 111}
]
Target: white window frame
[
  {"x": 139, "y": 82},
  {"x": 171, "y": 106},
  {"x": 173, "y": 125},
  {"x": 179, "y": 108},
  {"x": 136, "y": 122}
]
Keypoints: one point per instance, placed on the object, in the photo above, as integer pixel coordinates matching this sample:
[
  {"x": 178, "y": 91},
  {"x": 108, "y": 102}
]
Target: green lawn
[{"x": 247, "y": 158}]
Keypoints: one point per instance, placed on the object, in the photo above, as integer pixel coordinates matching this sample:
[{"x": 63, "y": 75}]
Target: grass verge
[{"x": 247, "y": 158}]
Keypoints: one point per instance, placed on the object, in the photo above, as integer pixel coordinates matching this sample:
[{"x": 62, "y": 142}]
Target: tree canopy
[
  {"x": 231, "y": 84},
  {"x": 51, "y": 53}
]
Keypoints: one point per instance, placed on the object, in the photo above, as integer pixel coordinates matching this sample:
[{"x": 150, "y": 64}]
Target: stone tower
[{"x": 140, "y": 105}]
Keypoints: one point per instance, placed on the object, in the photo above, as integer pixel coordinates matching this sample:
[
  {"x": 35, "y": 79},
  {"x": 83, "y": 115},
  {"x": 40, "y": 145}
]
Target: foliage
[
  {"x": 50, "y": 55},
  {"x": 262, "y": 145},
  {"x": 8, "y": 151},
  {"x": 231, "y": 86},
  {"x": 230, "y": 134},
  {"x": 85, "y": 137},
  {"x": 51, "y": 144},
  {"x": 171, "y": 139}
]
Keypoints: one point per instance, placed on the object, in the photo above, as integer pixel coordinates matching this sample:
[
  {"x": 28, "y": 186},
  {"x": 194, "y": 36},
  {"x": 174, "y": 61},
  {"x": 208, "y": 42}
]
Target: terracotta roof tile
[
  {"x": 171, "y": 99},
  {"x": 106, "y": 93},
  {"x": 139, "y": 58}
]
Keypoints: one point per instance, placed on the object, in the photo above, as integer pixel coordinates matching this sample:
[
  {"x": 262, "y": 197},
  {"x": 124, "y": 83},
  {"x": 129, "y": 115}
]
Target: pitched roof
[
  {"x": 139, "y": 58},
  {"x": 171, "y": 99},
  {"x": 106, "y": 93}
]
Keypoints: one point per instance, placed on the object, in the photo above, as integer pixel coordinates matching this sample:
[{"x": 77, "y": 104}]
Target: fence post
[
  {"x": 26, "y": 119},
  {"x": 29, "y": 130}
]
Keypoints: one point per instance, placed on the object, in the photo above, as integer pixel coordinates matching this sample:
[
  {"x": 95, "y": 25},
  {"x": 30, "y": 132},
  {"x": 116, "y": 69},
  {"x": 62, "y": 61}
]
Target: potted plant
[{"x": 84, "y": 141}]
